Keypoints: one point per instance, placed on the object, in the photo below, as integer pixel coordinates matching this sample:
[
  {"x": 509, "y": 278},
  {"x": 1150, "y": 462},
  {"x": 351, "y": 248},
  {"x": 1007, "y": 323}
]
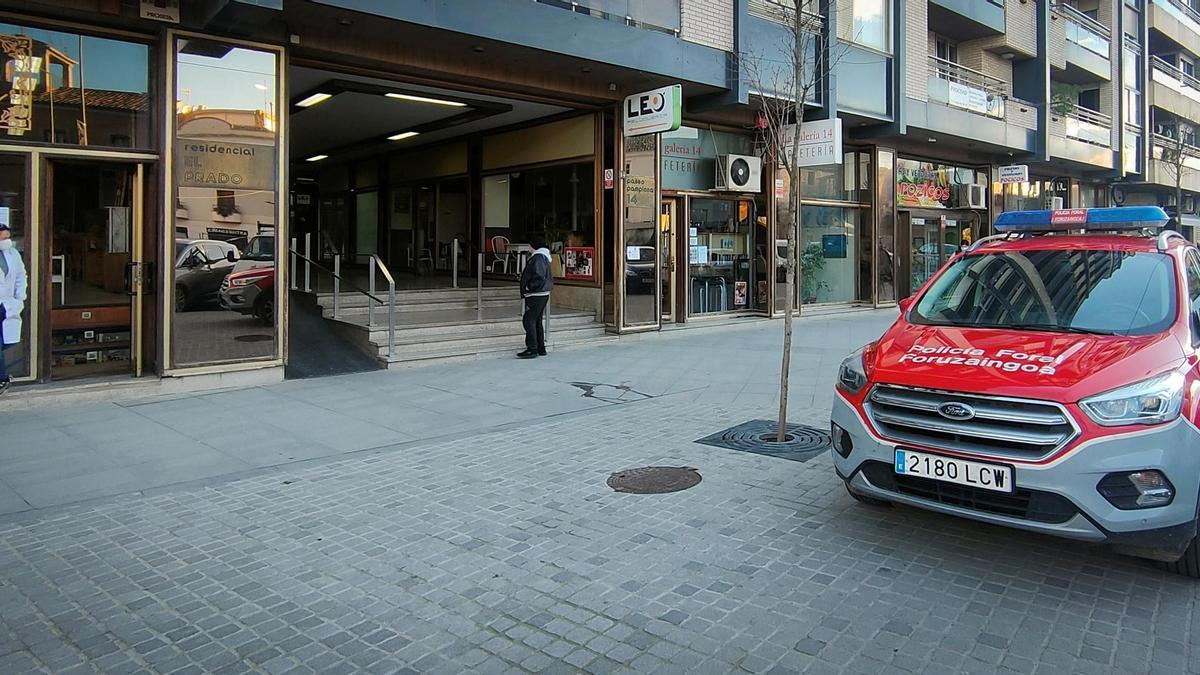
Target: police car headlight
[
  {"x": 1153, "y": 401},
  {"x": 852, "y": 375}
]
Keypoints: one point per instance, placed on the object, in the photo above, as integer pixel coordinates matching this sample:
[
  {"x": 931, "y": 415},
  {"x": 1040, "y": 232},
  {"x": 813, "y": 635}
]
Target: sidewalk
[{"x": 61, "y": 455}]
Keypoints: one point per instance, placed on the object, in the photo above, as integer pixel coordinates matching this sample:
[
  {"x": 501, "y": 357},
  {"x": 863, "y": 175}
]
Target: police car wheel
[
  {"x": 1189, "y": 564},
  {"x": 869, "y": 501}
]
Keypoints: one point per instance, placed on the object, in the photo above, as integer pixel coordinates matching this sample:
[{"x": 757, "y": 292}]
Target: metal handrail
[
  {"x": 954, "y": 72},
  {"x": 1071, "y": 14},
  {"x": 1169, "y": 143},
  {"x": 377, "y": 263},
  {"x": 1170, "y": 69},
  {"x": 1090, "y": 116},
  {"x": 1186, "y": 9},
  {"x": 338, "y": 276}
]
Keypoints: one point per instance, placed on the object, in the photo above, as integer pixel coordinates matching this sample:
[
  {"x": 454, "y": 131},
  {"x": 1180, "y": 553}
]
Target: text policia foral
[{"x": 1008, "y": 360}]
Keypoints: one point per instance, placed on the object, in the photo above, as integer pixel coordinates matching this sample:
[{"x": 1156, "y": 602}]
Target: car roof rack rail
[
  {"x": 995, "y": 237},
  {"x": 1165, "y": 237}
]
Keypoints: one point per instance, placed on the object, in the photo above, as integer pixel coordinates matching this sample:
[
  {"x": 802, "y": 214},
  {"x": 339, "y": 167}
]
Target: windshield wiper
[{"x": 1028, "y": 326}]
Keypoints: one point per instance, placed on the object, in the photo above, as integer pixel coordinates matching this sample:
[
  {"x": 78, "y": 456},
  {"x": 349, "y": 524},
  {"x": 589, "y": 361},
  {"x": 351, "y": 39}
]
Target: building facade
[{"x": 154, "y": 155}]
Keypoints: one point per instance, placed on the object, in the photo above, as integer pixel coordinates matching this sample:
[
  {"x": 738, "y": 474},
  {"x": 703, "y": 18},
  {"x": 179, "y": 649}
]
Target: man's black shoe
[
  {"x": 541, "y": 352},
  {"x": 527, "y": 354}
]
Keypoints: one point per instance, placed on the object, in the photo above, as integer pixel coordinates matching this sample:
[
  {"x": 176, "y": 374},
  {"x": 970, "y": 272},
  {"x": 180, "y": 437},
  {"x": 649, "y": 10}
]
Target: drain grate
[
  {"x": 654, "y": 480},
  {"x": 254, "y": 338},
  {"x": 758, "y": 436}
]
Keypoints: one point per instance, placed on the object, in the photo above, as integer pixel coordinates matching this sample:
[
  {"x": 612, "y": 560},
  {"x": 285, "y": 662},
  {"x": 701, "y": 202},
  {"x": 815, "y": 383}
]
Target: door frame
[
  {"x": 139, "y": 278},
  {"x": 35, "y": 234},
  {"x": 669, "y": 209}
]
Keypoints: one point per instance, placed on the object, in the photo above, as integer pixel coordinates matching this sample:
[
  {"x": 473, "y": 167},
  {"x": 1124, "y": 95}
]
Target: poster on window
[
  {"x": 578, "y": 261},
  {"x": 739, "y": 293}
]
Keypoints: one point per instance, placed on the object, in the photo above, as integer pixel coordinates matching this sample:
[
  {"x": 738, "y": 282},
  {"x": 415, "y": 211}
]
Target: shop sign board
[
  {"x": 227, "y": 166},
  {"x": 654, "y": 111},
  {"x": 639, "y": 192},
  {"x": 160, "y": 10},
  {"x": 820, "y": 142},
  {"x": 968, "y": 98},
  {"x": 689, "y": 156},
  {"x": 931, "y": 185},
  {"x": 1013, "y": 173}
]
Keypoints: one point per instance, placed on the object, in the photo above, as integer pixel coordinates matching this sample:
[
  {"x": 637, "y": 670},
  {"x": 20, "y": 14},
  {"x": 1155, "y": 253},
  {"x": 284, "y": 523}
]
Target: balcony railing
[
  {"x": 1089, "y": 126},
  {"x": 1166, "y": 144},
  {"x": 1180, "y": 10},
  {"x": 961, "y": 87},
  {"x": 1085, "y": 31},
  {"x": 1170, "y": 76},
  {"x": 657, "y": 15}
]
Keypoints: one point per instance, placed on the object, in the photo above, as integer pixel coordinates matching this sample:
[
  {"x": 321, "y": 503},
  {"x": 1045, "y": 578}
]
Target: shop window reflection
[
  {"x": 12, "y": 210},
  {"x": 225, "y": 172},
  {"x": 71, "y": 89}
]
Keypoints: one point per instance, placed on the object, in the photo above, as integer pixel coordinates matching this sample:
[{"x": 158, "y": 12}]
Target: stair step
[
  {"x": 500, "y": 350},
  {"x": 410, "y": 334},
  {"x": 351, "y": 298},
  {"x": 468, "y": 345},
  {"x": 356, "y": 310}
]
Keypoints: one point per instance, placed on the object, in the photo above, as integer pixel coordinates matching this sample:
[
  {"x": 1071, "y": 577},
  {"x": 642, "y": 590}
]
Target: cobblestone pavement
[{"x": 504, "y": 551}]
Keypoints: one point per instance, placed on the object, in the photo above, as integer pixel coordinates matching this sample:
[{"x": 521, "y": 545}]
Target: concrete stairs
[{"x": 442, "y": 325}]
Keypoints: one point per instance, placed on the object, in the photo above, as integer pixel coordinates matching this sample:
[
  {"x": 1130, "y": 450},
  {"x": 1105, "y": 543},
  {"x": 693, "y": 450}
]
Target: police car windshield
[{"x": 1080, "y": 291}]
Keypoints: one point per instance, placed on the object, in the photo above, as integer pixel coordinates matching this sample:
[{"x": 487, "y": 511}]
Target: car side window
[
  {"x": 1193, "y": 286},
  {"x": 214, "y": 252}
]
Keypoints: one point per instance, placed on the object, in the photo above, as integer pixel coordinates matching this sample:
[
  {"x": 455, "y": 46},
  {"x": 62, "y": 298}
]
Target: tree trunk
[{"x": 788, "y": 311}]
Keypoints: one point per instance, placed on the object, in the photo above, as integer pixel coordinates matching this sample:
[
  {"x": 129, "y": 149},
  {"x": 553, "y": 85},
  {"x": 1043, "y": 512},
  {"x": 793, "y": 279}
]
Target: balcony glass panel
[
  {"x": 1084, "y": 30},
  {"x": 1181, "y": 12},
  {"x": 960, "y": 87},
  {"x": 1168, "y": 75},
  {"x": 857, "y": 66},
  {"x": 653, "y": 14},
  {"x": 1089, "y": 126}
]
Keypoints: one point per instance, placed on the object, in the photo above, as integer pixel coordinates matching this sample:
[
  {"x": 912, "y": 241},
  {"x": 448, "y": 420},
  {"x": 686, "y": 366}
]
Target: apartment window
[
  {"x": 870, "y": 23},
  {"x": 946, "y": 50},
  {"x": 1090, "y": 99},
  {"x": 1187, "y": 67},
  {"x": 226, "y": 203}
]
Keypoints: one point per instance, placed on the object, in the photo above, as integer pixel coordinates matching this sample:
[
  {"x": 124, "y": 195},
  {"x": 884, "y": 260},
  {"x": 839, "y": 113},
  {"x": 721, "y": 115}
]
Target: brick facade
[
  {"x": 707, "y": 22},
  {"x": 918, "y": 45}
]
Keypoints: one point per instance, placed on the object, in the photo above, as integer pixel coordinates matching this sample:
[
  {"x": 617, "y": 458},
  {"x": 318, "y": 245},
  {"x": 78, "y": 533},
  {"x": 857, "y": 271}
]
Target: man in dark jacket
[{"x": 536, "y": 281}]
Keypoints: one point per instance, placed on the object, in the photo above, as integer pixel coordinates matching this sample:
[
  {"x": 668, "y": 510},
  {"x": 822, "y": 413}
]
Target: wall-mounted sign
[
  {"x": 689, "y": 156},
  {"x": 820, "y": 142},
  {"x": 228, "y": 166},
  {"x": 160, "y": 10},
  {"x": 932, "y": 185},
  {"x": 655, "y": 111},
  {"x": 578, "y": 262},
  {"x": 608, "y": 179},
  {"x": 1013, "y": 173},
  {"x": 968, "y": 98},
  {"x": 639, "y": 192}
]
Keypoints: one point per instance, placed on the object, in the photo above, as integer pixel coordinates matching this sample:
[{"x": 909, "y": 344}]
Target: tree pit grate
[
  {"x": 654, "y": 480},
  {"x": 758, "y": 436}
]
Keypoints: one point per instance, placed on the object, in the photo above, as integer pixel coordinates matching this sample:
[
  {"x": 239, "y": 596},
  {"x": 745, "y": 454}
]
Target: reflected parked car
[
  {"x": 260, "y": 252},
  {"x": 200, "y": 267},
  {"x": 251, "y": 292}
]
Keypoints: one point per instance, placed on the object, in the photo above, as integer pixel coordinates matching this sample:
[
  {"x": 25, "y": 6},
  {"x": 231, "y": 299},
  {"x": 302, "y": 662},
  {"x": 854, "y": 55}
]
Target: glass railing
[
  {"x": 1174, "y": 78},
  {"x": 961, "y": 87},
  {"x": 1084, "y": 31},
  {"x": 658, "y": 15},
  {"x": 1089, "y": 126},
  {"x": 1165, "y": 147}
]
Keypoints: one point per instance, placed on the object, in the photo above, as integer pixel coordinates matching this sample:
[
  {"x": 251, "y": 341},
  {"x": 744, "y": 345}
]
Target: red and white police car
[{"x": 1046, "y": 378}]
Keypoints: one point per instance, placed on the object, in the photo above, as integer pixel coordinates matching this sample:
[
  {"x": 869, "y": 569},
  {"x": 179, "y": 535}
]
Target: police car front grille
[
  {"x": 1004, "y": 428},
  {"x": 1034, "y": 505}
]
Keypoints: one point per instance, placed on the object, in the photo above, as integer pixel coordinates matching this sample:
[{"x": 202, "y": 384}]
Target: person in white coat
[{"x": 14, "y": 286}]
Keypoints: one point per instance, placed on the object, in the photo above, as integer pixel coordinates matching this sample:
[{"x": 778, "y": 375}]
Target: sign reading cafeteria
[
  {"x": 229, "y": 166},
  {"x": 654, "y": 111}
]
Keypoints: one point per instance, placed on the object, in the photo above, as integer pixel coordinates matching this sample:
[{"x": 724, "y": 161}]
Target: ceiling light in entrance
[
  {"x": 425, "y": 99},
  {"x": 317, "y": 158},
  {"x": 310, "y": 101},
  {"x": 402, "y": 135}
]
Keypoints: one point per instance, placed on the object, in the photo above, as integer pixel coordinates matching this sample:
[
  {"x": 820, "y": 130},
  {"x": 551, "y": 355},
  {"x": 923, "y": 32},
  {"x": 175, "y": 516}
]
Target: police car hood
[{"x": 1062, "y": 367}]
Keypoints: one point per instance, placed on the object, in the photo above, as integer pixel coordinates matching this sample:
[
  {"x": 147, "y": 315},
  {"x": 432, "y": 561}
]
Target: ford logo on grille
[{"x": 953, "y": 410}]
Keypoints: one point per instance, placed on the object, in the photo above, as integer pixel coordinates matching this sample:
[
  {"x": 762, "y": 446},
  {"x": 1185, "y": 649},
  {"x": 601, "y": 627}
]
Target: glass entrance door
[
  {"x": 927, "y": 249},
  {"x": 667, "y": 254},
  {"x": 94, "y": 279}
]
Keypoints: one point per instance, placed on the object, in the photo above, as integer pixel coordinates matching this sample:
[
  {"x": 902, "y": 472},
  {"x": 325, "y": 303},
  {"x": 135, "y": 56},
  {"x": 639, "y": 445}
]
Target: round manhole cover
[
  {"x": 254, "y": 338},
  {"x": 654, "y": 480}
]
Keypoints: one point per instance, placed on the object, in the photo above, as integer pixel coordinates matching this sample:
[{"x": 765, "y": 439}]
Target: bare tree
[
  {"x": 784, "y": 77},
  {"x": 1174, "y": 156}
]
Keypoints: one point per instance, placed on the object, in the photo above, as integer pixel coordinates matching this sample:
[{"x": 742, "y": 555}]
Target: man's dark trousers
[{"x": 535, "y": 329}]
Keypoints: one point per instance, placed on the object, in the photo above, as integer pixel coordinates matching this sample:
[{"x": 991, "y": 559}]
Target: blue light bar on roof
[{"x": 1114, "y": 218}]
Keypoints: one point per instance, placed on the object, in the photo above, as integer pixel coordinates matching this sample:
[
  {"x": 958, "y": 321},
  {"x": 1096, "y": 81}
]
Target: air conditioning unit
[
  {"x": 972, "y": 196},
  {"x": 1055, "y": 203},
  {"x": 739, "y": 173}
]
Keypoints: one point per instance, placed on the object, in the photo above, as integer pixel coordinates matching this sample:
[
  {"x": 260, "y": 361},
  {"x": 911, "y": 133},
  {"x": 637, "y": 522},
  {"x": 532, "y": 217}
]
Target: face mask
[{"x": 6, "y": 244}]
